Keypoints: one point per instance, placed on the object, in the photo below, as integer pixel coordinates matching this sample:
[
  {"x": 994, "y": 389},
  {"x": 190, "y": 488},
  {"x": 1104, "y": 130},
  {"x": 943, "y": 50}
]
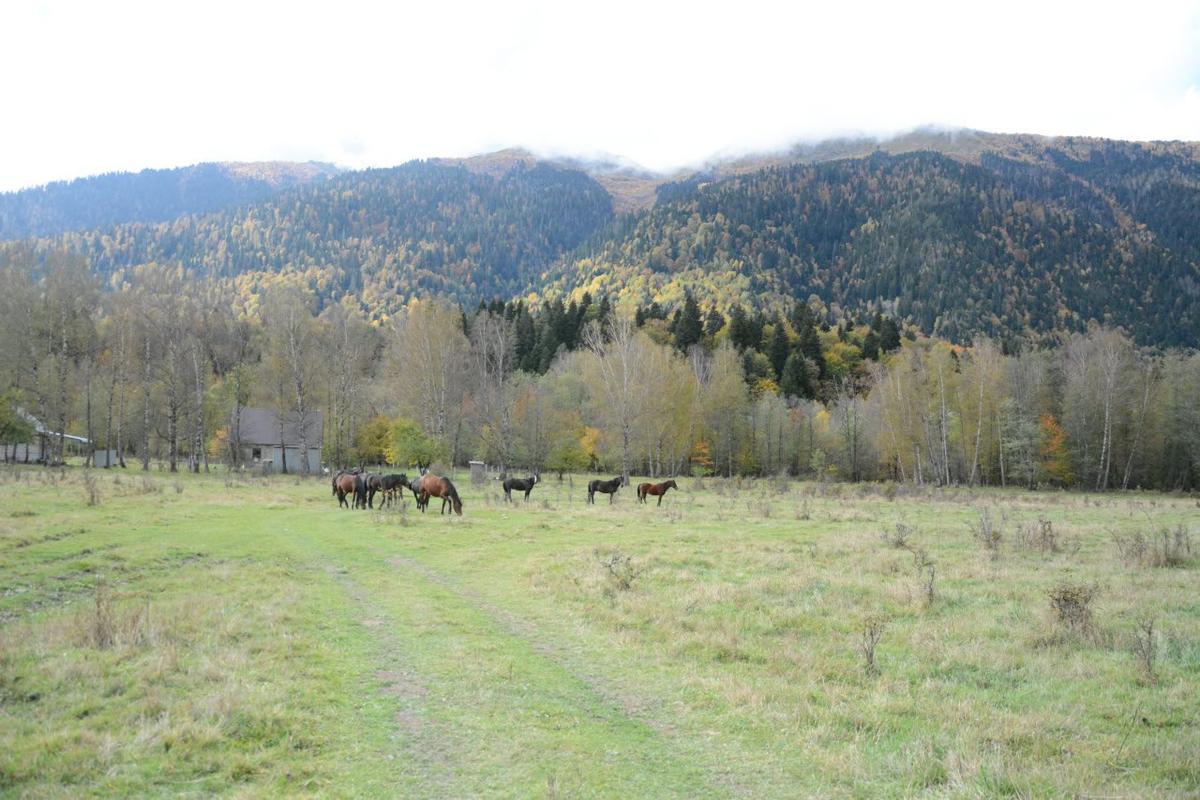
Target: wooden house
[{"x": 266, "y": 440}]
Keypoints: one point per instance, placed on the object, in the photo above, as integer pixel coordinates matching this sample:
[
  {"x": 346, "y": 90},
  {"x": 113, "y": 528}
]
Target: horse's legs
[
  {"x": 508, "y": 494},
  {"x": 661, "y": 496}
]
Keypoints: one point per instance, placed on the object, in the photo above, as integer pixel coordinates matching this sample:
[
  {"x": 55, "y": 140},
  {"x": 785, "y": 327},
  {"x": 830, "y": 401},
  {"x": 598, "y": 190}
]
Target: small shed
[
  {"x": 274, "y": 443},
  {"x": 478, "y": 473},
  {"x": 105, "y": 458},
  {"x": 42, "y": 445}
]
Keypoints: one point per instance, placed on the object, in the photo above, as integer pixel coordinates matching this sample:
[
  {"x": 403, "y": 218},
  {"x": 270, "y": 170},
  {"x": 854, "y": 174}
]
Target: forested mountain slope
[
  {"x": 1027, "y": 242},
  {"x": 152, "y": 195},
  {"x": 959, "y": 234},
  {"x": 384, "y": 235}
]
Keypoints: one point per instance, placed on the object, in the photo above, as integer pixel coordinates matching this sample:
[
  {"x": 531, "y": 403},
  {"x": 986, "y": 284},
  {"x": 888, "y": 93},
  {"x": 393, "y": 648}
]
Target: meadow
[{"x": 239, "y": 635}]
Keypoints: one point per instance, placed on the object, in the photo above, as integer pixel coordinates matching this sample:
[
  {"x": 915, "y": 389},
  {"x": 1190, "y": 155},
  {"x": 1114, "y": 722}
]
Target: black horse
[
  {"x": 604, "y": 487},
  {"x": 392, "y": 485},
  {"x": 371, "y": 484},
  {"x": 521, "y": 485},
  {"x": 360, "y": 491}
]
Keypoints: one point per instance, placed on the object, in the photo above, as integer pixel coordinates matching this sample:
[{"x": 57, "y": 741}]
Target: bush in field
[
  {"x": 91, "y": 488},
  {"x": 1164, "y": 549},
  {"x": 102, "y": 628},
  {"x": 1072, "y": 606},
  {"x": 926, "y": 575},
  {"x": 622, "y": 572},
  {"x": 1145, "y": 648},
  {"x": 1039, "y": 536},
  {"x": 872, "y": 632},
  {"x": 987, "y": 533},
  {"x": 395, "y": 514},
  {"x": 899, "y": 535}
]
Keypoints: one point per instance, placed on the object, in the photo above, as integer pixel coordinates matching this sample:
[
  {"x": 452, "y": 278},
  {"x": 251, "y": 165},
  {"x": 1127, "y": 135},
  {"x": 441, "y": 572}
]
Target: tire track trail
[
  {"x": 423, "y": 740},
  {"x": 623, "y": 700}
]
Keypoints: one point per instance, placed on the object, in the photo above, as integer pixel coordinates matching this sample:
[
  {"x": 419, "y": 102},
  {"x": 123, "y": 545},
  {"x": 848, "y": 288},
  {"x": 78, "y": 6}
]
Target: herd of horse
[{"x": 363, "y": 486}]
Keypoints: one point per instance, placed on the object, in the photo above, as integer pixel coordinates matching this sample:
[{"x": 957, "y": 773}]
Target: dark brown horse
[
  {"x": 604, "y": 487},
  {"x": 658, "y": 489},
  {"x": 346, "y": 483},
  {"x": 415, "y": 486},
  {"x": 337, "y": 476},
  {"x": 433, "y": 486}
]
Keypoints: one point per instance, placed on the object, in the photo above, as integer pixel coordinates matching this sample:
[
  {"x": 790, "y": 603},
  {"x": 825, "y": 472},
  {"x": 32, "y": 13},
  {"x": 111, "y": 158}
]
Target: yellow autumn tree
[{"x": 1056, "y": 462}]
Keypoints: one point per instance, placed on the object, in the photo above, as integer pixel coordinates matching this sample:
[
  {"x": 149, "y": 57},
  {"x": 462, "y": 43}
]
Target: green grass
[{"x": 197, "y": 636}]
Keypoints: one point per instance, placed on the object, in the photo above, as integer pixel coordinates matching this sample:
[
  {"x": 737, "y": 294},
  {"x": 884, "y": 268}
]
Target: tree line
[{"x": 160, "y": 370}]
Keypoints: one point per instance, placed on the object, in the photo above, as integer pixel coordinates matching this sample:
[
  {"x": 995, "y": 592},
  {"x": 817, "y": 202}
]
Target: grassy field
[{"x": 200, "y": 635}]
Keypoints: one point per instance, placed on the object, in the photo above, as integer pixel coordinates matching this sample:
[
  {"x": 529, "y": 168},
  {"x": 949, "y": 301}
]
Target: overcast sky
[{"x": 94, "y": 87}]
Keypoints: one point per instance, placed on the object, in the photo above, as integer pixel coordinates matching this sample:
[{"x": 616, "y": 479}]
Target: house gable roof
[{"x": 261, "y": 426}]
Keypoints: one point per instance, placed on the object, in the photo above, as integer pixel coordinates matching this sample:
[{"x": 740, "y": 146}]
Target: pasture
[{"x": 200, "y": 635}]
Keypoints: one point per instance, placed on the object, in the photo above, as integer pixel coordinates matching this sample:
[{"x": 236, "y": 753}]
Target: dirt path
[
  {"x": 416, "y": 735},
  {"x": 622, "y": 699}
]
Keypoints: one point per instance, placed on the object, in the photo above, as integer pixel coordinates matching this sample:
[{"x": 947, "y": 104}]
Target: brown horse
[
  {"x": 433, "y": 486},
  {"x": 415, "y": 487},
  {"x": 344, "y": 484},
  {"x": 658, "y": 489}
]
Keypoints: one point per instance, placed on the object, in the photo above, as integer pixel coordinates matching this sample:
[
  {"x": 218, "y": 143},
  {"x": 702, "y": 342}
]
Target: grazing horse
[
  {"x": 343, "y": 484},
  {"x": 604, "y": 487},
  {"x": 392, "y": 486},
  {"x": 433, "y": 486},
  {"x": 521, "y": 485},
  {"x": 659, "y": 489}
]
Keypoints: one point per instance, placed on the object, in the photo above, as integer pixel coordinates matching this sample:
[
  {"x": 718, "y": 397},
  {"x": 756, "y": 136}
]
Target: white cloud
[{"x": 128, "y": 85}]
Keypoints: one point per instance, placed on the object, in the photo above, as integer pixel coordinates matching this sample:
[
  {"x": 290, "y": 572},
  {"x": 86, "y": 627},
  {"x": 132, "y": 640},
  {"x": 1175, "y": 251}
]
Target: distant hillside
[
  {"x": 152, "y": 195},
  {"x": 631, "y": 187},
  {"x": 383, "y": 234},
  {"x": 1010, "y": 236},
  {"x": 958, "y": 233}
]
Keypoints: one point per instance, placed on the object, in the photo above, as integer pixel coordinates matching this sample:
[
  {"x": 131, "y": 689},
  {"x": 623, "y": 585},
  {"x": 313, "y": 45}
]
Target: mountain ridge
[
  {"x": 149, "y": 195},
  {"x": 960, "y": 232}
]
